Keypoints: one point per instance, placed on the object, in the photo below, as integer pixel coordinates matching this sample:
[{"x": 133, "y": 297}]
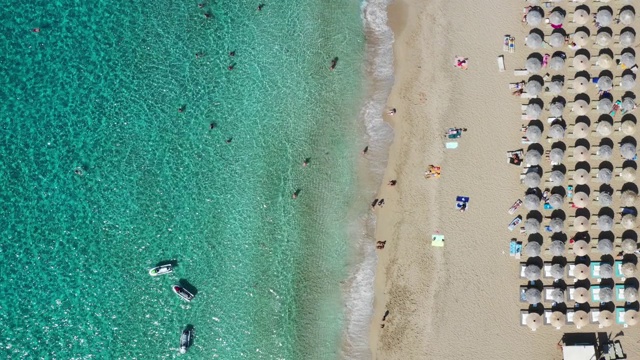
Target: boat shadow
[
  {"x": 173, "y": 263},
  {"x": 187, "y": 285}
]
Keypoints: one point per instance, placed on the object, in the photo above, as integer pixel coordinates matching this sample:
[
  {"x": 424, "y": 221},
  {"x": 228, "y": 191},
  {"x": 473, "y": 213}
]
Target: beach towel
[
  {"x": 515, "y": 222},
  {"x": 437, "y": 240},
  {"x": 451, "y": 145},
  {"x": 461, "y": 62},
  {"x": 629, "y": 210},
  {"x": 505, "y": 43},
  {"x": 514, "y": 207}
]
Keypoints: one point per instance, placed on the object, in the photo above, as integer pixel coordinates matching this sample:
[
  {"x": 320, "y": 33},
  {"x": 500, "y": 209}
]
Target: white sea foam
[{"x": 360, "y": 291}]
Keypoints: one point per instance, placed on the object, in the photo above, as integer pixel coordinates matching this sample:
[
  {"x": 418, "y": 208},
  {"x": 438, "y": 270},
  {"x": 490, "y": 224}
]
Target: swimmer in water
[
  {"x": 260, "y": 6},
  {"x": 228, "y": 141},
  {"x": 230, "y": 67},
  {"x": 366, "y": 148},
  {"x": 306, "y": 162},
  {"x": 78, "y": 171},
  {"x": 334, "y": 63},
  {"x": 295, "y": 194},
  {"x": 207, "y": 15},
  {"x": 36, "y": 30},
  {"x": 182, "y": 108},
  {"x": 212, "y": 126},
  {"x": 232, "y": 53}
]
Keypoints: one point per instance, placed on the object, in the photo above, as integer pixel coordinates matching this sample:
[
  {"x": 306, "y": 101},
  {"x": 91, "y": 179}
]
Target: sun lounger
[
  {"x": 513, "y": 246},
  {"x": 570, "y": 314},
  {"x": 523, "y": 317},
  {"x": 521, "y": 72},
  {"x": 595, "y": 293},
  {"x": 547, "y": 270},
  {"x": 505, "y": 43},
  {"x": 619, "y": 290},
  {"x": 501, "y": 67},
  {"x": 518, "y": 250},
  {"x": 620, "y": 316},
  {"x": 618, "y": 349},
  {"x": 451, "y": 145},
  {"x": 595, "y": 315},
  {"x": 570, "y": 293},
  {"x": 595, "y": 270},
  {"x": 617, "y": 267},
  {"x": 523, "y": 291},
  {"x": 437, "y": 240},
  {"x": 515, "y": 222},
  {"x": 571, "y": 272},
  {"x": 547, "y": 317},
  {"x": 523, "y": 266},
  {"x": 548, "y": 291},
  {"x": 528, "y": 96}
]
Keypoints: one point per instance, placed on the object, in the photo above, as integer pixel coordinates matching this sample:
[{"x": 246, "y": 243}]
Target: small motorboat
[
  {"x": 161, "y": 270},
  {"x": 183, "y": 293},
  {"x": 185, "y": 340}
]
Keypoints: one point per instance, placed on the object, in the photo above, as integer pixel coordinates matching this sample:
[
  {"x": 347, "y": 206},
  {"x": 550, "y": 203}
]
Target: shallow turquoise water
[{"x": 98, "y": 89}]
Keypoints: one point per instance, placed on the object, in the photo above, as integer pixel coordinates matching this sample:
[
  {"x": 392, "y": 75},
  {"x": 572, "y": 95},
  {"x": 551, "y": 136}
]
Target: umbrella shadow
[
  {"x": 606, "y": 30},
  {"x": 559, "y": 237},
  {"x": 606, "y": 73},
  {"x": 629, "y": 117},
  {"x": 559, "y": 121},
  {"x": 559, "y": 78},
  {"x": 630, "y": 234},
  {"x": 629, "y": 94},
  {"x": 628, "y": 29},
  {"x": 584, "y": 7},
  {"x": 583, "y": 119},
  {"x": 536, "y": 56},
  {"x": 632, "y": 306},
  {"x": 533, "y": 191},
  {"x": 630, "y": 258},
  {"x": 606, "y": 51},
  {"x": 606, "y": 188},
  {"x": 535, "y": 169},
  {"x": 607, "y": 211},
  {"x": 560, "y": 31},
  {"x": 629, "y": 164},
  {"x": 559, "y": 260},
  {"x": 630, "y": 186},
  {"x": 608, "y": 306},
  {"x": 584, "y": 74},
  {"x": 631, "y": 282},
  {"x": 558, "y": 214},
  {"x": 559, "y": 99},
  {"x": 583, "y": 142},
  {"x": 584, "y": 52},
  {"x": 535, "y": 214},
  {"x": 560, "y": 167},
  {"x": 628, "y": 7},
  {"x": 583, "y": 165},
  {"x": 583, "y": 188},
  {"x": 583, "y": 212},
  {"x": 629, "y": 140},
  {"x": 561, "y": 307},
  {"x": 607, "y": 259},
  {"x": 605, "y": 118},
  {"x": 583, "y": 97},
  {"x": 536, "y": 123},
  {"x": 606, "y": 142},
  {"x": 606, "y": 165},
  {"x": 536, "y": 238},
  {"x": 559, "y": 145},
  {"x": 584, "y": 29},
  {"x": 583, "y": 283},
  {"x": 536, "y": 147},
  {"x": 537, "y": 261},
  {"x": 536, "y": 101},
  {"x": 606, "y": 235}
]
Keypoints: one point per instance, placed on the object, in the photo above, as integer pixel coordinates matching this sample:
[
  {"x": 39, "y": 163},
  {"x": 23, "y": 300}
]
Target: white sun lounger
[
  {"x": 501, "y": 63},
  {"x": 570, "y": 314},
  {"x": 595, "y": 315},
  {"x": 520, "y": 72},
  {"x": 570, "y": 293},
  {"x": 523, "y": 317},
  {"x": 523, "y": 266},
  {"x": 595, "y": 293},
  {"x": 547, "y": 271},
  {"x": 547, "y": 317}
]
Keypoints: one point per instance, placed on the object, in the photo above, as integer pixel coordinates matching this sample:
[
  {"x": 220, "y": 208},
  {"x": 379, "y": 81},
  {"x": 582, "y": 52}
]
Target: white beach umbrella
[
  {"x": 605, "y": 199},
  {"x": 556, "y": 178},
  {"x": 581, "y": 38},
  {"x": 606, "y": 318},
  {"x": 605, "y": 105},
  {"x": 605, "y": 83},
  {"x": 534, "y": 18},
  {"x": 580, "y": 130},
  {"x": 580, "y": 84},
  {"x": 627, "y": 16},
  {"x": 581, "y": 153},
  {"x": 556, "y": 109},
  {"x": 628, "y": 269},
  {"x": 580, "y": 248},
  {"x": 628, "y": 221},
  {"x": 604, "y": 128},
  {"x": 627, "y": 39},
  {"x": 581, "y": 176},
  {"x": 604, "y": 17},
  {"x": 581, "y": 62},
  {"x": 533, "y": 41},
  {"x": 556, "y": 131},
  {"x": 556, "y": 63},
  {"x": 605, "y": 246},
  {"x": 581, "y": 271},
  {"x": 556, "y": 155},
  {"x": 533, "y": 111},
  {"x": 557, "y": 319},
  {"x": 555, "y": 87},
  {"x": 628, "y": 127},
  {"x": 631, "y": 317},
  {"x": 533, "y": 65},
  {"x": 580, "y": 223},
  {"x": 556, "y": 40},
  {"x": 628, "y": 174},
  {"x": 581, "y": 295},
  {"x": 532, "y": 180},
  {"x": 629, "y": 246},
  {"x": 532, "y": 157},
  {"x": 603, "y": 38},
  {"x": 531, "y": 226},
  {"x": 557, "y": 249},
  {"x": 580, "y": 16},
  {"x": 628, "y": 104},
  {"x": 580, "y": 107},
  {"x": 531, "y": 202},
  {"x": 604, "y": 61},
  {"x": 605, "y": 175},
  {"x": 534, "y": 321},
  {"x": 605, "y": 223},
  {"x": 628, "y": 82},
  {"x": 628, "y": 151},
  {"x": 581, "y": 199},
  {"x": 628, "y": 59},
  {"x": 533, "y": 87},
  {"x": 628, "y": 198},
  {"x": 557, "y": 224},
  {"x": 533, "y": 133},
  {"x": 580, "y": 319}
]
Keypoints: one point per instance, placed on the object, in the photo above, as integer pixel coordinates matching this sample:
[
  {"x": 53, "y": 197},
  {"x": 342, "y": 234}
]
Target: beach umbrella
[
  {"x": 534, "y": 321},
  {"x": 581, "y": 176},
  {"x": 581, "y": 62},
  {"x": 532, "y": 179},
  {"x": 580, "y": 107},
  {"x": 556, "y": 155},
  {"x": 606, "y": 294},
  {"x": 557, "y": 249},
  {"x": 606, "y": 271},
  {"x": 557, "y": 319},
  {"x": 580, "y": 153},
  {"x": 604, "y": 17},
  {"x": 627, "y": 16},
  {"x": 581, "y": 272},
  {"x": 605, "y": 318},
  {"x": 533, "y": 296},
  {"x": 533, "y": 111},
  {"x": 628, "y": 104},
  {"x": 533, "y": 87},
  {"x": 628, "y": 82},
  {"x": 556, "y": 63},
  {"x": 557, "y": 178},
  {"x": 531, "y": 226},
  {"x": 556, "y": 109},
  {"x": 533, "y": 41},
  {"x": 605, "y": 105},
  {"x": 532, "y": 272},
  {"x": 605, "y": 246},
  {"x": 605, "y": 83},
  {"x": 629, "y": 246},
  {"x": 628, "y": 127},
  {"x": 605, "y": 199},
  {"x": 581, "y": 38},
  {"x": 630, "y": 294},
  {"x": 533, "y": 65},
  {"x": 580, "y": 84},
  {"x": 533, "y": 133},
  {"x": 627, "y": 38},
  {"x": 556, "y": 40},
  {"x": 580, "y": 319},
  {"x": 605, "y": 175},
  {"x": 580, "y": 16},
  {"x": 581, "y": 295},
  {"x": 558, "y": 272},
  {"x": 631, "y": 317},
  {"x": 605, "y": 223},
  {"x": 532, "y": 157},
  {"x": 603, "y": 38},
  {"x": 532, "y": 249},
  {"x": 580, "y": 248},
  {"x": 580, "y": 130},
  {"x": 628, "y": 174},
  {"x": 628, "y": 198},
  {"x": 555, "y": 87},
  {"x": 556, "y": 202},
  {"x": 604, "y": 128},
  {"x": 556, "y": 131},
  {"x": 556, "y": 224},
  {"x": 628, "y": 151},
  {"x": 628, "y": 221},
  {"x": 604, "y": 61},
  {"x": 531, "y": 202},
  {"x": 604, "y": 152},
  {"x": 628, "y": 59},
  {"x": 581, "y": 200},
  {"x": 628, "y": 269},
  {"x": 534, "y": 18},
  {"x": 556, "y": 18}
]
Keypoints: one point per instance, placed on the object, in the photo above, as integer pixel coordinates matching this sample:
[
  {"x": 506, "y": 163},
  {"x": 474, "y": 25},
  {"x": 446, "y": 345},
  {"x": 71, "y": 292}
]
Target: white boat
[
  {"x": 185, "y": 340},
  {"x": 182, "y": 292},
  {"x": 161, "y": 270}
]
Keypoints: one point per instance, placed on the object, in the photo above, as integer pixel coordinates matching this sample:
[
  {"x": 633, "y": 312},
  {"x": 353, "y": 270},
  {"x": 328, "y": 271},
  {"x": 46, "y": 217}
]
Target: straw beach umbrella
[
  {"x": 628, "y": 174},
  {"x": 580, "y": 107},
  {"x": 605, "y": 199},
  {"x": 534, "y": 17},
  {"x": 628, "y": 198},
  {"x": 580, "y": 130},
  {"x": 533, "y": 87},
  {"x": 605, "y": 246},
  {"x": 533, "y": 41},
  {"x": 531, "y": 226},
  {"x": 581, "y": 295},
  {"x": 605, "y": 223},
  {"x": 556, "y": 109},
  {"x": 627, "y": 38},
  {"x": 532, "y": 249},
  {"x": 557, "y": 249},
  {"x": 555, "y": 87},
  {"x": 532, "y": 180},
  {"x": 628, "y": 104},
  {"x": 532, "y": 272},
  {"x": 556, "y": 40},
  {"x": 606, "y": 271},
  {"x": 628, "y": 221},
  {"x": 630, "y": 294},
  {"x": 556, "y": 178},
  {"x": 556, "y": 155},
  {"x": 558, "y": 272},
  {"x": 533, "y": 157},
  {"x": 581, "y": 62},
  {"x": 605, "y": 105},
  {"x": 604, "y": 61},
  {"x": 533, "y": 296},
  {"x": 604, "y": 152},
  {"x": 580, "y": 153},
  {"x": 556, "y": 201},
  {"x": 629, "y": 246},
  {"x": 631, "y": 317},
  {"x": 580, "y": 84},
  {"x": 556, "y": 18},
  {"x": 581, "y": 38},
  {"x": 533, "y": 65},
  {"x": 580, "y": 223},
  {"x": 531, "y": 202},
  {"x": 581, "y": 176},
  {"x": 533, "y": 111},
  {"x": 534, "y": 321},
  {"x": 606, "y": 294},
  {"x": 627, "y": 16},
  {"x": 557, "y": 319},
  {"x": 605, "y": 83},
  {"x": 604, "y": 128},
  {"x": 580, "y": 319},
  {"x": 605, "y": 175},
  {"x": 628, "y": 151},
  {"x": 533, "y": 133},
  {"x": 556, "y": 63},
  {"x": 628, "y": 127},
  {"x": 628, "y": 59},
  {"x": 580, "y": 200},
  {"x": 628, "y": 82},
  {"x": 628, "y": 269},
  {"x": 580, "y": 16},
  {"x": 603, "y": 39},
  {"x": 556, "y": 225},
  {"x": 580, "y": 248},
  {"x": 604, "y": 17},
  {"x": 605, "y": 318},
  {"x": 556, "y": 131}
]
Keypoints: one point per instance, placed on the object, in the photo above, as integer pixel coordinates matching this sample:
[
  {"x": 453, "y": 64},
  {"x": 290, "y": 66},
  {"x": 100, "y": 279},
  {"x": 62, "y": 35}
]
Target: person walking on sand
[
  {"x": 374, "y": 203},
  {"x": 334, "y": 63},
  {"x": 364, "y": 151},
  {"x": 392, "y": 112},
  {"x": 392, "y": 183}
]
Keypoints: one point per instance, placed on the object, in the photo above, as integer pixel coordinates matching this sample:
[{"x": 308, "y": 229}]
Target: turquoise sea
[{"x": 103, "y": 177}]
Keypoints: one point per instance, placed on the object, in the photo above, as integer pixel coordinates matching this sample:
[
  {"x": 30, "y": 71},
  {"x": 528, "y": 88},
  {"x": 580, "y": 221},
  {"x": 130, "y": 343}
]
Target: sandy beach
[{"x": 459, "y": 301}]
